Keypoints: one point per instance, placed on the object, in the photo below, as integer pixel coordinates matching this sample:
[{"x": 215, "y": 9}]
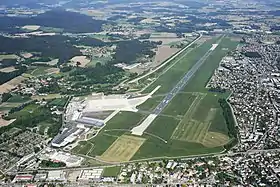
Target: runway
[
  {"x": 139, "y": 130},
  {"x": 182, "y": 83}
]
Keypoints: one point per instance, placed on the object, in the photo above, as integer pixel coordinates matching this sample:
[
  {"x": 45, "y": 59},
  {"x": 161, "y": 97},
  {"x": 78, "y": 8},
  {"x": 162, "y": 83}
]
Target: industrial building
[
  {"x": 23, "y": 178},
  {"x": 90, "y": 121},
  {"x": 60, "y": 156},
  {"x": 40, "y": 177},
  {"x": 57, "y": 175},
  {"x": 67, "y": 136},
  {"x": 90, "y": 175}
]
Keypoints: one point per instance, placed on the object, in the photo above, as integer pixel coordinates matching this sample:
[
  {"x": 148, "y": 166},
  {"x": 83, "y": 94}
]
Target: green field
[
  {"x": 14, "y": 101},
  {"x": 18, "y": 99},
  {"x": 202, "y": 128},
  {"x": 83, "y": 148},
  {"x": 120, "y": 124},
  {"x": 39, "y": 71},
  {"x": 111, "y": 171},
  {"x": 43, "y": 126},
  {"x": 59, "y": 101},
  {"x": 180, "y": 104},
  {"x": 193, "y": 121},
  {"x": 25, "y": 111},
  {"x": 101, "y": 60},
  {"x": 169, "y": 79},
  {"x": 163, "y": 126},
  {"x": 151, "y": 103}
]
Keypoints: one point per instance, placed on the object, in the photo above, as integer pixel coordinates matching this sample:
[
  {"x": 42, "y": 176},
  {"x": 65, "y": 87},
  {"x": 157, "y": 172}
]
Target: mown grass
[
  {"x": 82, "y": 148},
  {"x": 59, "y": 101},
  {"x": 180, "y": 104},
  {"x": 151, "y": 103},
  {"x": 169, "y": 79},
  {"x": 157, "y": 148},
  {"x": 163, "y": 127},
  {"x": 117, "y": 126},
  {"x": 111, "y": 171},
  {"x": 200, "y": 79}
]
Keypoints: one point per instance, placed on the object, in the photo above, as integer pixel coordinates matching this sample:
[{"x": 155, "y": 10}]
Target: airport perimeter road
[{"x": 183, "y": 82}]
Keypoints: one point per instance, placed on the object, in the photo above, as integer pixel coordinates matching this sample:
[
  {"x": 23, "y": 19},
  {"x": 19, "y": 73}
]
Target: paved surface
[
  {"x": 182, "y": 83},
  {"x": 139, "y": 130}
]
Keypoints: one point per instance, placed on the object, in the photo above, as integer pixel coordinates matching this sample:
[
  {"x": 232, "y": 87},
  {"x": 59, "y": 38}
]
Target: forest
[
  {"x": 100, "y": 74},
  {"x": 128, "y": 51},
  {"x": 58, "y": 46},
  {"x": 6, "y": 76},
  {"x": 57, "y": 18}
]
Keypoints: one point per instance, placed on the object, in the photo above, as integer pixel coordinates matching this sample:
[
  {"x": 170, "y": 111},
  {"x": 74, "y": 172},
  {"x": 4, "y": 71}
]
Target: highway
[{"x": 182, "y": 83}]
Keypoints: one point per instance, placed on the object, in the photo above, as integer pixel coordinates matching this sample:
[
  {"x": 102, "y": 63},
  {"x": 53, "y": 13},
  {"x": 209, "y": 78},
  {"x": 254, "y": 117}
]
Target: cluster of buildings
[
  {"x": 16, "y": 146},
  {"x": 254, "y": 168},
  {"x": 78, "y": 177},
  {"x": 252, "y": 75},
  {"x": 76, "y": 123},
  {"x": 60, "y": 156}
]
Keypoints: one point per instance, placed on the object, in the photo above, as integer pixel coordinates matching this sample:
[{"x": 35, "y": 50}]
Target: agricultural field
[
  {"x": 8, "y": 69},
  {"x": 49, "y": 96},
  {"x": 8, "y": 56},
  {"x": 39, "y": 71},
  {"x": 8, "y": 86},
  {"x": 4, "y": 122},
  {"x": 191, "y": 124},
  {"x": 14, "y": 101},
  {"x": 163, "y": 52},
  {"x": 25, "y": 111},
  {"x": 122, "y": 149},
  {"x": 50, "y": 63}
]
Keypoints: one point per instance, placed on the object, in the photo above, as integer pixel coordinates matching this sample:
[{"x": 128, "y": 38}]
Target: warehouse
[{"x": 90, "y": 175}]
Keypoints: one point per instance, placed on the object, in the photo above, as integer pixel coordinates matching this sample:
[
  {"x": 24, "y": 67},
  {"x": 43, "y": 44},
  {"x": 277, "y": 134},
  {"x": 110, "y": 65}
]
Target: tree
[
  {"x": 6, "y": 97},
  {"x": 78, "y": 63},
  {"x": 36, "y": 149}
]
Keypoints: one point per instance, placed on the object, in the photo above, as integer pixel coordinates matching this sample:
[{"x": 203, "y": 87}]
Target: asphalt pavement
[{"x": 181, "y": 84}]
